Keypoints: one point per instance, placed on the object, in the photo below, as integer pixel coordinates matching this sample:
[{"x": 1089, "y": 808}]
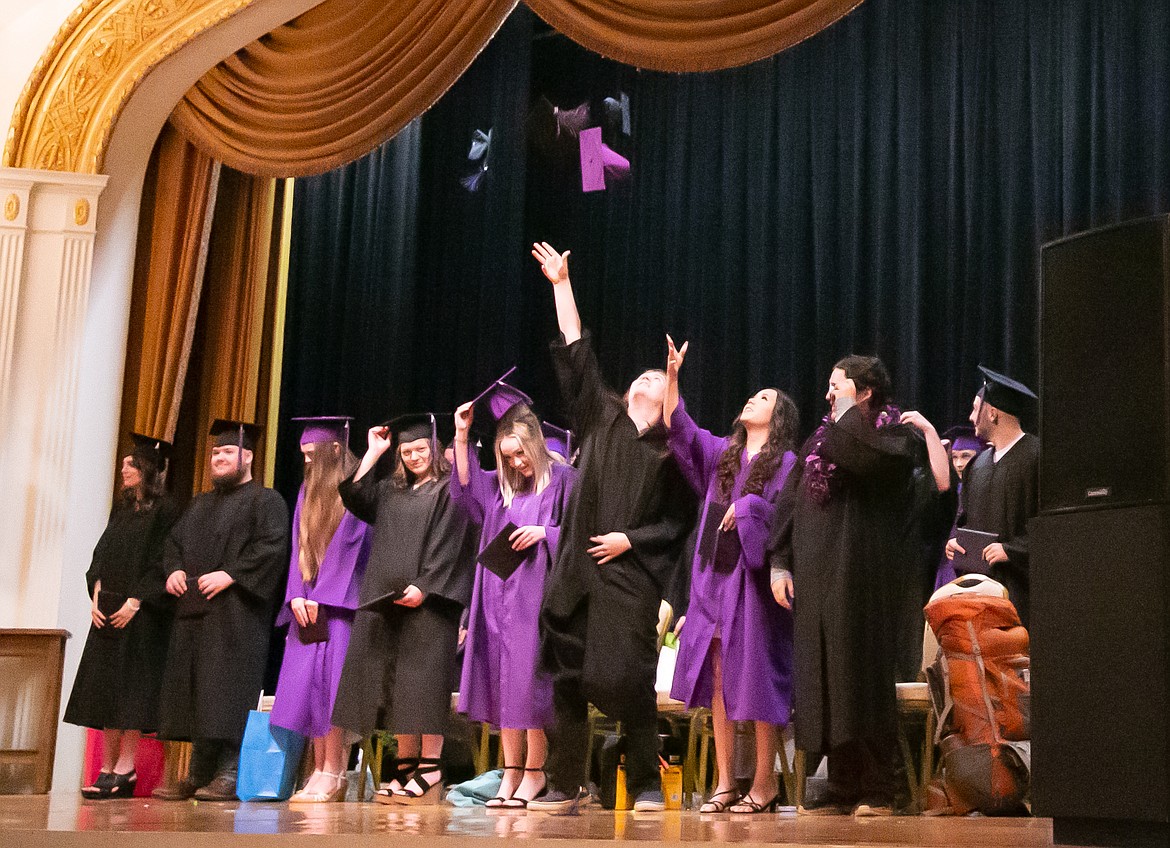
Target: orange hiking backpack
[{"x": 980, "y": 686}]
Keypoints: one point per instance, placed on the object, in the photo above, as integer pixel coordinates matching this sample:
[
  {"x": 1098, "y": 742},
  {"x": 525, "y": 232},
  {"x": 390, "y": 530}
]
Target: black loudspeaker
[
  {"x": 1105, "y": 367},
  {"x": 1101, "y": 674}
]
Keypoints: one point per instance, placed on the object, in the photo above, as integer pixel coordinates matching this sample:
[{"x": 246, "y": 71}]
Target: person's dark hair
[
  {"x": 782, "y": 428},
  {"x": 153, "y": 485},
  {"x": 868, "y": 372},
  {"x": 403, "y": 477}
]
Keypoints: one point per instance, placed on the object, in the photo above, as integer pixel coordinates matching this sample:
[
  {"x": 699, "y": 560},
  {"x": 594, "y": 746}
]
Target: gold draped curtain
[{"x": 334, "y": 83}]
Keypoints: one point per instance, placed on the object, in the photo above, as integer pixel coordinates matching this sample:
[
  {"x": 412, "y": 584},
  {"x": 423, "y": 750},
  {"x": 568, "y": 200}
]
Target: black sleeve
[
  {"x": 780, "y": 542},
  {"x": 361, "y": 496},
  {"x": 582, "y": 387},
  {"x": 263, "y": 561},
  {"x": 862, "y": 450},
  {"x": 448, "y": 566},
  {"x": 173, "y": 546},
  {"x": 94, "y": 574},
  {"x": 656, "y": 544},
  {"x": 151, "y": 588}
]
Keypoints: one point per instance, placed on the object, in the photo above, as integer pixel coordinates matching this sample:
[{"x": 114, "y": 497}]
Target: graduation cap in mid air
[
  {"x": 156, "y": 450},
  {"x": 1005, "y": 394}
]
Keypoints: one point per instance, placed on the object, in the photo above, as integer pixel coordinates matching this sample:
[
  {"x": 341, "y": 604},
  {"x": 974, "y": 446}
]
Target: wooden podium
[{"x": 31, "y": 665}]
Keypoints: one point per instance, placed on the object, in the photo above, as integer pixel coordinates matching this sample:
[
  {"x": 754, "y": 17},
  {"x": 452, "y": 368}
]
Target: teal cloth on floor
[{"x": 477, "y": 791}]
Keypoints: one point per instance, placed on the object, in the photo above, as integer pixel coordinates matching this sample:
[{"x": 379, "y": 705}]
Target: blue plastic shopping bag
[{"x": 269, "y": 758}]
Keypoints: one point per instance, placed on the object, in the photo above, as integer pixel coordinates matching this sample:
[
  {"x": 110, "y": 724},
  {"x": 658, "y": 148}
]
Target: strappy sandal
[
  {"x": 101, "y": 787},
  {"x": 403, "y": 768},
  {"x": 123, "y": 786},
  {"x": 720, "y": 806},
  {"x": 430, "y": 791},
  {"x": 515, "y": 803},
  {"x": 499, "y": 800},
  {"x": 746, "y": 806},
  {"x": 340, "y": 785}
]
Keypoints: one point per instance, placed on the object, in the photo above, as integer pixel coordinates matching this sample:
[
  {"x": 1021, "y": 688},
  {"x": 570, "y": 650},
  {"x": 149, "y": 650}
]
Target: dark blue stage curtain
[{"x": 882, "y": 187}]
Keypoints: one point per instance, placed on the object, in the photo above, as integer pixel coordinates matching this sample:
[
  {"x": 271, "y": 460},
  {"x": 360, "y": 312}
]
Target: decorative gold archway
[{"x": 101, "y": 53}]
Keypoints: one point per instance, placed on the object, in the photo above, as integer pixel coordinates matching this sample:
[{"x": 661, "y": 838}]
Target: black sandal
[
  {"x": 101, "y": 787},
  {"x": 749, "y": 807},
  {"x": 430, "y": 791},
  {"x": 403, "y": 768},
  {"x": 515, "y": 803},
  {"x": 123, "y": 785},
  {"x": 721, "y": 806},
  {"x": 499, "y": 800}
]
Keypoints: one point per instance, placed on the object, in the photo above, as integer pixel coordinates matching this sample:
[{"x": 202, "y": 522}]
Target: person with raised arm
[
  {"x": 735, "y": 653},
  {"x": 627, "y": 519}
]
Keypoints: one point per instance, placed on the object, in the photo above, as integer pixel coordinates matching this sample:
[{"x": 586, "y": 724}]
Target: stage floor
[{"x": 67, "y": 820}]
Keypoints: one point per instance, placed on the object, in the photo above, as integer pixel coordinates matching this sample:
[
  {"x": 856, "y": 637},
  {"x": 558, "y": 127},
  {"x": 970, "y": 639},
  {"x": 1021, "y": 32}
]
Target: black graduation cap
[
  {"x": 413, "y": 426},
  {"x": 240, "y": 433},
  {"x": 157, "y": 449},
  {"x": 1005, "y": 394}
]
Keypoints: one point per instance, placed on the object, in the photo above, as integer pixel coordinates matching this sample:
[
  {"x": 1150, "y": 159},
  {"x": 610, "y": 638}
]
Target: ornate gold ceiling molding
[{"x": 101, "y": 53}]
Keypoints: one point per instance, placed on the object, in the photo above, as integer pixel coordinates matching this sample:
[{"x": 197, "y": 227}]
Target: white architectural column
[{"x": 47, "y": 285}]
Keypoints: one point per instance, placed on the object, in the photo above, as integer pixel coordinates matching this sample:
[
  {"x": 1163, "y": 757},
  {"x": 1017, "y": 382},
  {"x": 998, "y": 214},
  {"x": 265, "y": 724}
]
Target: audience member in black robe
[
  {"x": 839, "y": 557},
  {"x": 620, "y": 543},
  {"x": 226, "y": 561},
  {"x": 401, "y": 664},
  {"x": 117, "y": 685},
  {"x": 1000, "y": 486}
]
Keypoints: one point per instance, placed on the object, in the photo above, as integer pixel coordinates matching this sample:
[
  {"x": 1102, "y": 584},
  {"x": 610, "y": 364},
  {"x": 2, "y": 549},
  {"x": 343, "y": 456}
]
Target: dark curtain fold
[{"x": 881, "y": 187}]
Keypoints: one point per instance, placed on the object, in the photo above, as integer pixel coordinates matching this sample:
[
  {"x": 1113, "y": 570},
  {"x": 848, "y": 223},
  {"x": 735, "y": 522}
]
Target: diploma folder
[
  {"x": 192, "y": 603},
  {"x": 382, "y": 603},
  {"x": 973, "y": 542},
  {"x": 499, "y": 558},
  {"x": 313, "y": 633},
  {"x": 718, "y": 547}
]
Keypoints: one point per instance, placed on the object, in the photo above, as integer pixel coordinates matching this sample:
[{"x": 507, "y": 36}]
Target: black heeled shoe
[
  {"x": 518, "y": 803},
  {"x": 101, "y": 787},
  {"x": 718, "y": 806},
  {"x": 403, "y": 768},
  {"x": 123, "y": 785},
  {"x": 500, "y": 801},
  {"x": 747, "y": 807},
  {"x": 430, "y": 791}
]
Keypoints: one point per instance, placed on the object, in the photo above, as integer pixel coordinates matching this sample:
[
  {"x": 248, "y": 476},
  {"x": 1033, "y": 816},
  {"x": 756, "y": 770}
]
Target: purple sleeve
[
  {"x": 696, "y": 450},
  {"x": 341, "y": 573},
  {"x": 755, "y": 515},
  {"x": 477, "y": 496},
  {"x": 296, "y": 584}
]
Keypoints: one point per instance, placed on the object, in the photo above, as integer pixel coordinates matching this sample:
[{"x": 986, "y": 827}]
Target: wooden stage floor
[{"x": 67, "y": 820}]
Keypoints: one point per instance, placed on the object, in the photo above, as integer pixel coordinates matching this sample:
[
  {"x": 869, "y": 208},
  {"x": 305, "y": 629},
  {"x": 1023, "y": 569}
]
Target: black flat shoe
[
  {"x": 101, "y": 787},
  {"x": 500, "y": 801},
  {"x": 520, "y": 803}
]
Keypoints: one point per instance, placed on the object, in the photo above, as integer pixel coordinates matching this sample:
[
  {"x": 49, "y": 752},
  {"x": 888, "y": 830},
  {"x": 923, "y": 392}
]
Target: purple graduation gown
[
  {"x": 309, "y": 674},
  {"x": 502, "y": 682},
  {"x": 755, "y": 632}
]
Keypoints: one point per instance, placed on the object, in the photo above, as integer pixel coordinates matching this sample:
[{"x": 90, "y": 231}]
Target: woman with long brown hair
[
  {"x": 329, "y": 550},
  {"x": 735, "y": 652},
  {"x": 502, "y": 683},
  {"x": 118, "y": 680}
]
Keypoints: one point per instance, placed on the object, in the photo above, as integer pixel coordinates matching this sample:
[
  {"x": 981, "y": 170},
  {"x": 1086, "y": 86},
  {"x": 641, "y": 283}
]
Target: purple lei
[{"x": 821, "y": 478}]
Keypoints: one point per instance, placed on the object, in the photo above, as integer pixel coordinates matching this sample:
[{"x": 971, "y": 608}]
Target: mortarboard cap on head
[
  {"x": 1005, "y": 394},
  {"x": 241, "y": 433},
  {"x": 558, "y": 440},
  {"x": 324, "y": 428},
  {"x": 157, "y": 449},
  {"x": 499, "y": 397},
  {"x": 963, "y": 438},
  {"x": 414, "y": 426}
]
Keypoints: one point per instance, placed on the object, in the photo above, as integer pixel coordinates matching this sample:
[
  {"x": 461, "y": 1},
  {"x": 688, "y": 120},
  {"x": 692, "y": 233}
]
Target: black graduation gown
[
  {"x": 120, "y": 673},
  {"x": 629, "y": 483},
  {"x": 216, "y": 663},
  {"x": 848, "y": 559},
  {"x": 399, "y": 669},
  {"x": 1001, "y": 497}
]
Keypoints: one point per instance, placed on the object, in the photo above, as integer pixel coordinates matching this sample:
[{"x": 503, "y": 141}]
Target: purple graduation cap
[
  {"x": 1005, "y": 394},
  {"x": 962, "y": 437},
  {"x": 501, "y": 396},
  {"x": 155, "y": 450},
  {"x": 324, "y": 428},
  {"x": 599, "y": 161},
  {"x": 558, "y": 440}
]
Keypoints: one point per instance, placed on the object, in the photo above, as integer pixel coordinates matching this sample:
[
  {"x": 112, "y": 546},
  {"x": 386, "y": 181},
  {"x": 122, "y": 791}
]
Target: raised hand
[
  {"x": 674, "y": 356},
  {"x": 464, "y": 417},
  {"x": 555, "y": 265},
  {"x": 379, "y": 439}
]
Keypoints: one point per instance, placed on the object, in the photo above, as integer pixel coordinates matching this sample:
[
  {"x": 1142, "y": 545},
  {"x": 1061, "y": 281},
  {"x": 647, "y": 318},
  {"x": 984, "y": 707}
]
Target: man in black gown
[
  {"x": 629, "y": 515},
  {"x": 999, "y": 493},
  {"x": 226, "y": 560}
]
